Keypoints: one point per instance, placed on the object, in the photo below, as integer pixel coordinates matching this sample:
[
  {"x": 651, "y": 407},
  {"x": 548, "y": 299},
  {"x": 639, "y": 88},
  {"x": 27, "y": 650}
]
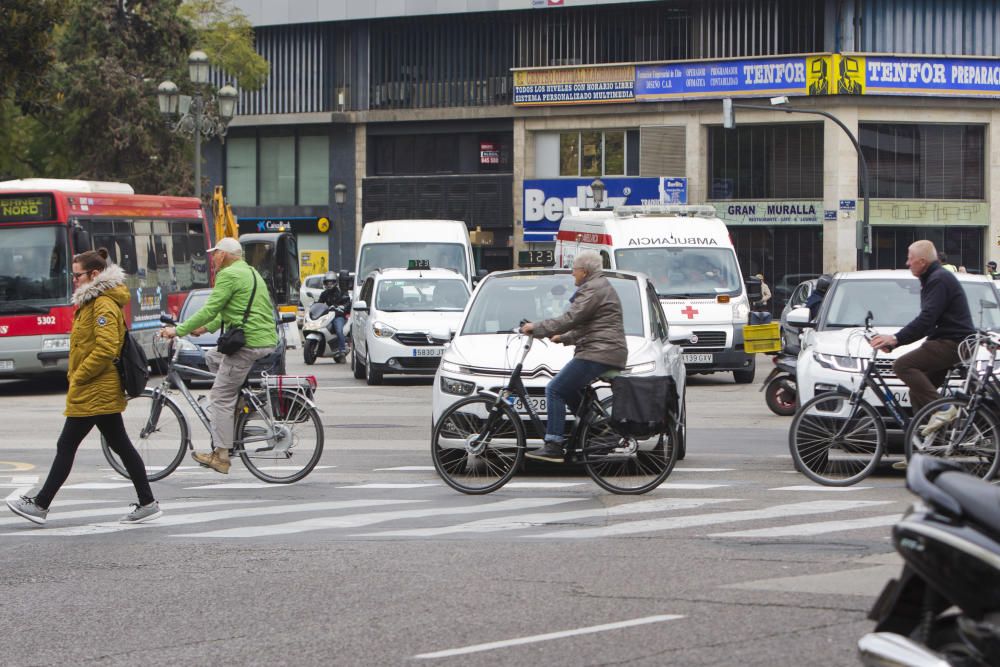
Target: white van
[
  {"x": 688, "y": 255},
  {"x": 393, "y": 243}
]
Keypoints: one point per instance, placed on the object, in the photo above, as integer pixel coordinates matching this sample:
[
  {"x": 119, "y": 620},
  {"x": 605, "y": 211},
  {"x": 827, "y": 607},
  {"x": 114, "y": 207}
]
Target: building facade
[{"x": 502, "y": 112}]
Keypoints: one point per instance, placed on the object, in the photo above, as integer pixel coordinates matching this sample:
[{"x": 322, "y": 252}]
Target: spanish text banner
[
  {"x": 902, "y": 75},
  {"x": 574, "y": 85},
  {"x": 799, "y": 75}
]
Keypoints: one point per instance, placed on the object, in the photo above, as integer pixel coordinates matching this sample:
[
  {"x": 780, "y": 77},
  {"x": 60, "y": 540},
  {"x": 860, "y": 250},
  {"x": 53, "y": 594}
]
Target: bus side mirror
[
  {"x": 754, "y": 291},
  {"x": 81, "y": 240}
]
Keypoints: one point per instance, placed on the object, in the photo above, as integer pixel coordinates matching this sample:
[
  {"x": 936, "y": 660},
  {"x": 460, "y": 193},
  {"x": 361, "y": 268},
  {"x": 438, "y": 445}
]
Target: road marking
[
  {"x": 387, "y": 485},
  {"x": 12, "y": 521},
  {"x": 359, "y": 520},
  {"x": 15, "y": 466},
  {"x": 528, "y": 520},
  {"x": 477, "y": 648},
  {"x": 542, "y": 485},
  {"x": 673, "y": 523},
  {"x": 18, "y": 481},
  {"x": 817, "y": 487},
  {"x": 234, "y": 485},
  {"x": 703, "y": 470},
  {"x": 220, "y": 515},
  {"x": 685, "y": 486},
  {"x": 405, "y": 469},
  {"x": 818, "y": 528},
  {"x": 105, "y": 511},
  {"x": 97, "y": 486}
]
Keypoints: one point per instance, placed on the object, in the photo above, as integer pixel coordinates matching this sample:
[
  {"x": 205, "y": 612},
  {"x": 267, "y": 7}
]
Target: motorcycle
[
  {"x": 318, "y": 339},
  {"x": 944, "y": 610},
  {"x": 780, "y": 391}
]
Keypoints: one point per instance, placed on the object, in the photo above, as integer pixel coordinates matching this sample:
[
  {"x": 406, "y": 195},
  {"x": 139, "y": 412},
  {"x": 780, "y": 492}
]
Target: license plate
[
  {"x": 698, "y": 358},
  {"x": 428, "y": 352},
  {"x": 538, "y": 404},
  {"x": 6, "y": 364}
]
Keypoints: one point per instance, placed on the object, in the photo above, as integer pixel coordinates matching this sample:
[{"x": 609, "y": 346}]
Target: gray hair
[
  {"x": 589, "y": 261},
  {"x": 924, "y": 250}
]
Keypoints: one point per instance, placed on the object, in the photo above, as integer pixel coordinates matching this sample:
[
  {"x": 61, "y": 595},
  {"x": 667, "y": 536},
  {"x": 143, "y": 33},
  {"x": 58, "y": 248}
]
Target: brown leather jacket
[{"x": 593, "y": 323}]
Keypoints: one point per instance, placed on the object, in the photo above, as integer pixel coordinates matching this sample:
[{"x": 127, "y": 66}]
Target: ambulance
[{"x": 688, "y": 255}]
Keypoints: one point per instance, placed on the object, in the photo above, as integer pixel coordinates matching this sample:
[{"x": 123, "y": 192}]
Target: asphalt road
[{"x": 737, "y": 559}]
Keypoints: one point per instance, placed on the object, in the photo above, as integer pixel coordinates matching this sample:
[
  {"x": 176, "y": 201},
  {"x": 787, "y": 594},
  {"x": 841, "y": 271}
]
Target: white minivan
[
  {"x": 689, "y": 257},
  {"x": 394, "y": 243}
]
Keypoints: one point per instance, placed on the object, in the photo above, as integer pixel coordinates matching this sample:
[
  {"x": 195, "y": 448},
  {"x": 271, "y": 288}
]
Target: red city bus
[{"x": 160, "y": 242}]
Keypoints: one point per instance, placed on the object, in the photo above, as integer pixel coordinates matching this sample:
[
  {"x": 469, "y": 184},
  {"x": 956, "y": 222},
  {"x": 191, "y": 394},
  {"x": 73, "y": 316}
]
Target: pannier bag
[
  {"x": 640, "y": 404},
  {"x": 233, "y": 340},
  {"x": 133, "y": 367}
]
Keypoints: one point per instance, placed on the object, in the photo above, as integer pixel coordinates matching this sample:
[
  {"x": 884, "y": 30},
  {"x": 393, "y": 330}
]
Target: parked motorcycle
[
  {"x": 318, "y": 339},
  {"x": 944, "y": 610},
  {"x": 780, "y": 390}
]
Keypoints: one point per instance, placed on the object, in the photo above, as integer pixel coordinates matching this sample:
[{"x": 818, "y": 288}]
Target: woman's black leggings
[{"x": 74, "y": 431}]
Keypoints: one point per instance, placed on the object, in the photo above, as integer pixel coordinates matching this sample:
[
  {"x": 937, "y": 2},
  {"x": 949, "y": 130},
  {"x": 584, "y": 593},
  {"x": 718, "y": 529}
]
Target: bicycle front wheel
[
  {"x": 477, "y": 445},
  {"x": 284, "y": 449},
  {"x": 627, "y": 465},
  {"x": 970, "y": 440},
  {"x": 835, "y": 443},
  {"x": 159, "y": 432}
]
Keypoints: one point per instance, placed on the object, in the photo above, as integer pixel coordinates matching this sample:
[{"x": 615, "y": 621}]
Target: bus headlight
[{"x": 55, "y": 344}]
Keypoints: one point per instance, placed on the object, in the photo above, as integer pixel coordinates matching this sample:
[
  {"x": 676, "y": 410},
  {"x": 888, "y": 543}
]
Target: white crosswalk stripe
[
  {"x": 119, "y": 510},
  {"x": 819, "y": 528}
]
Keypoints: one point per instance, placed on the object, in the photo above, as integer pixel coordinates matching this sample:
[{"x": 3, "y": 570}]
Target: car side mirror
[
  {"x": 480, "y": 274},
  {"x": 799, "y": 318},
  {"x": 288, "y": 318},
  {"x": 359, "y": 307},
  {"x": 754, "y": 291},
  {"x": 441, "y": 336},
  {"x": 679, "y": 339}
]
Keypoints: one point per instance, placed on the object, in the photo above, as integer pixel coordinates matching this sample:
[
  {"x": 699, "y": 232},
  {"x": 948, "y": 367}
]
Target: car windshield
[
  {"x": 501, "y": 303},
  {"x": 685, "y": 272},
  {"x": 894, "y": 302},
  {"x": 411, "y": 294},
  {"x": 33, "y": 269},
  {"x": 398, "y": 255}
]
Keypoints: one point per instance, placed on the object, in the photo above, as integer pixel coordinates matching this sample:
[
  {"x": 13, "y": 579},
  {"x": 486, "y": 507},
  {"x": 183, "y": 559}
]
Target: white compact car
[
  {"x": 311, "y": 288},
  {"x": 396, "y": 312},
  {"x": 832, "y": 351},
  {"x": 486, "y": 347}
]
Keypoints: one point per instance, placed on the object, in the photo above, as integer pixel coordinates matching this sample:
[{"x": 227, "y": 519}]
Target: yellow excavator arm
[{"x": 225, "y": 221}]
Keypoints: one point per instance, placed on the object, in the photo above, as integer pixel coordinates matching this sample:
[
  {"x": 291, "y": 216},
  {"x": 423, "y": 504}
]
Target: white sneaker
[
  {"x": 142, "y": 513},
  {"x": 939, "y": 420},
  {"x": 27, "y": 508}
]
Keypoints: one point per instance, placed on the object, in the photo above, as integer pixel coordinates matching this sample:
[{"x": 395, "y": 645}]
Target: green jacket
[{"x": 228, "y": 301}]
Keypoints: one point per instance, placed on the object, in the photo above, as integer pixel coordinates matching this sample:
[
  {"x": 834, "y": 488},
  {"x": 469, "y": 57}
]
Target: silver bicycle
[{"x": 279, "y": 435}]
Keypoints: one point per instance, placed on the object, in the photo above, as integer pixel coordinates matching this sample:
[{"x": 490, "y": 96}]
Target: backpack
[{"x": 133, "y": 367}]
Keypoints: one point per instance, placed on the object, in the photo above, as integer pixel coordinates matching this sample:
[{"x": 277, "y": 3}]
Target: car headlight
[
  {"x": 55, "y": 344},
  {"x": 837, "y": 362},
  {"x": 639, "y": 369},
  {"x": 741, "y": 311},
  {"x": 452, "y": 367},
  {"x": 383, "y": 330},
  {"x": 457, "y": 387}
]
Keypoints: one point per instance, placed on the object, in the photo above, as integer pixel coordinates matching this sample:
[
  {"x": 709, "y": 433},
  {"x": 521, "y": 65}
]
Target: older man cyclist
[{"x": 594, "y": 325}]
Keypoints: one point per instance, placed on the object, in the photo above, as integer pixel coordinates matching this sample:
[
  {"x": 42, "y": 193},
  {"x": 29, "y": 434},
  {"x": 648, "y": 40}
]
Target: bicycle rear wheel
[
  {"x": 834, "y": 443},
  {"x": 627, "y": 465},
  {"x": 158, "y": 431},
  {"x": 477, "y": 445},
  {"x": 285, "y": 449},
  {"x": 971, "y": 441}
]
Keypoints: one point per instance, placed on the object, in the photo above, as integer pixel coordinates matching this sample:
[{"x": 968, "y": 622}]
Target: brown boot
[{"x": 212, "y": 461}]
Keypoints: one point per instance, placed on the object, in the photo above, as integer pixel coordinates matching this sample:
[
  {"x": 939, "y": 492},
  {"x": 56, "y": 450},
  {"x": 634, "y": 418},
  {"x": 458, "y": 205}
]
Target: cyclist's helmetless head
[
  {"x": 586, "y": 263},
  {"x": 920, "y": 255}
]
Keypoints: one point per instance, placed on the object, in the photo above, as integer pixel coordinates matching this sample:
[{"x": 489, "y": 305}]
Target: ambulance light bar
[{"x": 673, "y": 210}]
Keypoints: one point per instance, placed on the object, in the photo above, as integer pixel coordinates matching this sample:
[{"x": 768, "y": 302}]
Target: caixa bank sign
[{"x": 546, "y": 200}]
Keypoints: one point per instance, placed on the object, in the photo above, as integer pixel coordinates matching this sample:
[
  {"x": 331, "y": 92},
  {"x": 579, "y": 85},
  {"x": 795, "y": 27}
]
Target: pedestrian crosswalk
[{"x": 416, "y": 506}]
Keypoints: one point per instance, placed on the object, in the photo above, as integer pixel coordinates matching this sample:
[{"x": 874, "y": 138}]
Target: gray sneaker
[
  {"x": 26, "y": 507},
  {"x": 142, "y": 513}
]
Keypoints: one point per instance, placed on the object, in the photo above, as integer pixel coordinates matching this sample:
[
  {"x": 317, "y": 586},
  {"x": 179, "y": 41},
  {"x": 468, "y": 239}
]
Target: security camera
[{"x": 777, "y": 101}]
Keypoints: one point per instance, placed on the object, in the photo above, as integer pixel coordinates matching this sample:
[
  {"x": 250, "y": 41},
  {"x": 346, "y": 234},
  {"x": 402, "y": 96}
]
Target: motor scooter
[
  {"x": 318, "y": 339},
  {"x": 780, "y": 390},
  {"x": 944, "y": 609}
]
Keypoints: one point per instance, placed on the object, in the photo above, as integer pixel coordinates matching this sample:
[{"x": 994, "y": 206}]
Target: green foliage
[
  {"x": 227, "y": 37},
  {"x": 26, "y": 50}
]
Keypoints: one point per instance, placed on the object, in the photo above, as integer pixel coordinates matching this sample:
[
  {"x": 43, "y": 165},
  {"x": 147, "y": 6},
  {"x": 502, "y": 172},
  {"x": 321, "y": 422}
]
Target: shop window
[
  {"x": 614, "y": 153},
  {"x": 914, "y": 161},
  {"x": 766, "y": 162},
  {"x": 592, "y": 153},
  {"x": 569, "y": 154},
  {"x": 314, "y": 169},
  {"x": 277, "y": 170},
  {"x": 241, "y": 171}
]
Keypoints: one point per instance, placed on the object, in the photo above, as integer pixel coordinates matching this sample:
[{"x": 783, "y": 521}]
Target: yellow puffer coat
[{"x": 94, "y": 344}]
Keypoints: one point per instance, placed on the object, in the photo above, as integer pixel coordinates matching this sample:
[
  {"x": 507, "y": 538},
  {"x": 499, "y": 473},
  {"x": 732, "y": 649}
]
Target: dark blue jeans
[
  {"x": 337, "y": 327},
  {"x": 566, "y": 388}
]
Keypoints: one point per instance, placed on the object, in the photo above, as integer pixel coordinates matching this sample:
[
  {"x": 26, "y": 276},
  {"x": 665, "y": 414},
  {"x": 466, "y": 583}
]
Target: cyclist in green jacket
[{"x": 227, "y": 304}]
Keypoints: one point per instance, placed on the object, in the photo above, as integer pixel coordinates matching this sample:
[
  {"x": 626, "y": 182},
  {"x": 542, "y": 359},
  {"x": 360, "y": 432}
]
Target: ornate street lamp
[
  {"x": 204, "y": 114},
  {"x": 339, "y": 197}
]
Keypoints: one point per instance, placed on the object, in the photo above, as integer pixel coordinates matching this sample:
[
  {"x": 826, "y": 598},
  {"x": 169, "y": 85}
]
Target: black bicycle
[{"x": 479, "y": 442}]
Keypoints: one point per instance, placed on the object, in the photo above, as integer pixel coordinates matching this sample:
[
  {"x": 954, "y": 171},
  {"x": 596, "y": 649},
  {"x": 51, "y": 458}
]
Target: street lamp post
[
  {"x": 200, "y": 115},
  {"x": 339, "y": 198}
]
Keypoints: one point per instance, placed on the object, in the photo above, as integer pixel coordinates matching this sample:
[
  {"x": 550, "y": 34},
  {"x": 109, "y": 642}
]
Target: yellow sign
[
  {"x": 312, "y": 262},
  {"x": 323, "y": 224}
]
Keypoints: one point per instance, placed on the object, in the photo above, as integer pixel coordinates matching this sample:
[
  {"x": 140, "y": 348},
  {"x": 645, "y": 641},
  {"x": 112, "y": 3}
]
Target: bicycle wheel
[
  {"x": 477, "y": 445},
  {"x": 832, "y": 447},
  {"x": 627, "y": 465},
  {"x": 285, "y": 449},
  {"x": 971, "y": 441},
  {"x": 158, "y": 431}
]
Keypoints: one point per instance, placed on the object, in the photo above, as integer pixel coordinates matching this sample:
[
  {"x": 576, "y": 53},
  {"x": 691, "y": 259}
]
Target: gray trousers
[{"x": 231, "y": 372}]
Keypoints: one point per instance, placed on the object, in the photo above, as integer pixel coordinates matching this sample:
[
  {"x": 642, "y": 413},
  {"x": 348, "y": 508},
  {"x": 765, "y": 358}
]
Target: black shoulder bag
[{"x": 233, "y": 340}]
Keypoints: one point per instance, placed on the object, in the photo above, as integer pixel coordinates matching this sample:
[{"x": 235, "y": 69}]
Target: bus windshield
[
  {"x": 33, "y": 267},
  {"x": 398, "y": 255},
  {"x": 680, "y": 273}
]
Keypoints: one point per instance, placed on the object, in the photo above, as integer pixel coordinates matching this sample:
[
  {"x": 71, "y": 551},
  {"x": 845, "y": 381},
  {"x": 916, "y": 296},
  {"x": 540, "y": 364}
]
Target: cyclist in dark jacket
[{"x": 337, "y": 297}]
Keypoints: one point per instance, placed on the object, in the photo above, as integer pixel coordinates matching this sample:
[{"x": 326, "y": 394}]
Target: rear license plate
[
  {"x": 6, "y": 364},
  {"x": 428, "y": 352},
  {"x": 698, "y": 358}
]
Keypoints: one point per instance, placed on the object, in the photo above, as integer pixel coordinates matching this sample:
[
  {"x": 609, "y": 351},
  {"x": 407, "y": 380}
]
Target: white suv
[
  {"x": 832, "y": 353},
  {"x": 396, "y": 312}
]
